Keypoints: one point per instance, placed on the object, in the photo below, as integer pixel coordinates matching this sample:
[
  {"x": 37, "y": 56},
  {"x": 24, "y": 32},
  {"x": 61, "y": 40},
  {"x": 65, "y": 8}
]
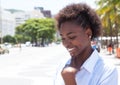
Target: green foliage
[
  {"x": 109, "y": 11},
  {"x": 9, "y": 39},
  {"x": 21, "y": 38},
  {"x": 36, "y": 30}
]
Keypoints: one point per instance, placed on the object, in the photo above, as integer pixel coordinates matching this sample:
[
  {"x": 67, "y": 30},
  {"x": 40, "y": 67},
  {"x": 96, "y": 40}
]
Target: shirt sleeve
[{"x": 110, "y": 78}]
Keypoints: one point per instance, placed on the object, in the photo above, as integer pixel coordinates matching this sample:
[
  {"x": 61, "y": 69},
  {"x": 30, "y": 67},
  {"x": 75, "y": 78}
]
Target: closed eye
[{"x": 72, "y": 37}]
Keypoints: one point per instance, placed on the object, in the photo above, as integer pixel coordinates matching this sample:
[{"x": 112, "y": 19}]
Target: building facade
[
  {"x": 7, "y": 23},
  {"x": 46, "y": 13},
  {"x": 21, "y": 17}
]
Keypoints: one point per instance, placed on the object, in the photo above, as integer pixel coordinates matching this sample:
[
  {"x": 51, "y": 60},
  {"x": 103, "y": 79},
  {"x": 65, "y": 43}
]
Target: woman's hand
[{"x": 68, "y": 75}]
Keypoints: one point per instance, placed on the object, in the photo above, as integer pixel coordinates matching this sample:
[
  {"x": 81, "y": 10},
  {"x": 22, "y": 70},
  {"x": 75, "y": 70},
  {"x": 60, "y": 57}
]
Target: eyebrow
[{"x": 68, "y": 33}]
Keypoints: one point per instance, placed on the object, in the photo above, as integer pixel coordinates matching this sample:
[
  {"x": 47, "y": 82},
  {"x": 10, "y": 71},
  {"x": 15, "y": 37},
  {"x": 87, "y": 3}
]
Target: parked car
[{"x": 3, "y": 50}]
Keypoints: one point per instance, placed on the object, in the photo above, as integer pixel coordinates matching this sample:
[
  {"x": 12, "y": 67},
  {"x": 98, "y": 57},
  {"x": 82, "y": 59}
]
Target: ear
[{"x": 89, "y": 32}]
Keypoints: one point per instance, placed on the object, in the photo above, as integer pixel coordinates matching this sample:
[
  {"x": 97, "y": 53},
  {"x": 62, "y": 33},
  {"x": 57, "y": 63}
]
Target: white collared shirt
[{"x": 94, "y": 71}]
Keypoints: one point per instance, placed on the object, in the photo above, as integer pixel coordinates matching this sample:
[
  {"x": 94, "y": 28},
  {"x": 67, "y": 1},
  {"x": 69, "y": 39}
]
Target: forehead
[{"x": 68, "y": 27}]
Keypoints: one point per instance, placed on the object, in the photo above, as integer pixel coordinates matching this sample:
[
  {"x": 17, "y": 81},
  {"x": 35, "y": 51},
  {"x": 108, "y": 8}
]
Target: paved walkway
[{"x": 36, "y": 66}]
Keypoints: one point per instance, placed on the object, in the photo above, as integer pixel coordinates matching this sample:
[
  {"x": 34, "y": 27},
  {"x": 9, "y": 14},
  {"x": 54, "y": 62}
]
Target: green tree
[
  {"x": 109, "y": 10},
  {"x": 37, "y": 30},
  {"x": 47, "y": 31},
  {"x": 20, "y": 35},
  {"x": 9, "y": 39}
]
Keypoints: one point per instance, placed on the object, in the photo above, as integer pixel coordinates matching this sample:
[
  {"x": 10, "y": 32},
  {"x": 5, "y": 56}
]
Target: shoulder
[
  {"x": 110, "y": 75},
  {"x": 109, "y": 70},
  {"x": 107, "y": 73},
  {"x": 104, "y": 67}
]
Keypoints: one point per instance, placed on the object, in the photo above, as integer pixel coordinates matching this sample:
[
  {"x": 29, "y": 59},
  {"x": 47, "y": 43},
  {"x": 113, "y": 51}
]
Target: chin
[{"x": 73, "y": 55}]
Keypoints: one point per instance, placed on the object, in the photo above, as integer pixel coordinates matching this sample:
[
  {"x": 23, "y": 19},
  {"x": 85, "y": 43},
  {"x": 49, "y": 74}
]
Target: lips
[{"x": 70, "y": 49}]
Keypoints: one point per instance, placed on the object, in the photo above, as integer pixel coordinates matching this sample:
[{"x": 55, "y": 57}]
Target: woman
[{"x": 78, "y": 24}]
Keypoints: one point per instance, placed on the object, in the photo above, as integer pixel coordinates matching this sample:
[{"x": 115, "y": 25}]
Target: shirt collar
[{"x": 90, "y": 63}]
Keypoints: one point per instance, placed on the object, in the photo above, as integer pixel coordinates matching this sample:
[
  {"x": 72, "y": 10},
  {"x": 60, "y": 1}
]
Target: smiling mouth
[{"x": 70, "y": 49}]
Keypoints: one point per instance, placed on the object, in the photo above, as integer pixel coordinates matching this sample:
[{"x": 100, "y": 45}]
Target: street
[{"x": 37, "y": 65}]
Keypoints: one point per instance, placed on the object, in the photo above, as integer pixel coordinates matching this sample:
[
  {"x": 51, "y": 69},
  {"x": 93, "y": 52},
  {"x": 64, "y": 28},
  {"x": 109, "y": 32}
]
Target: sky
[{"x": 53, "y": 5}]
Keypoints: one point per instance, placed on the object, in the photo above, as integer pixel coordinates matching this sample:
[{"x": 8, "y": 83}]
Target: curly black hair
[{"x": 81, "y": 14}]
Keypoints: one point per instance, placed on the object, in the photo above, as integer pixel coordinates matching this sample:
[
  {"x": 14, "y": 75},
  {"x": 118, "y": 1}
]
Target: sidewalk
[{"x": 35, "y": 66}]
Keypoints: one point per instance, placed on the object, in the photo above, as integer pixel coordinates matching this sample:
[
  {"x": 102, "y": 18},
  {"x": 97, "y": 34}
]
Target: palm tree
[{"x": 109, "y": 11}]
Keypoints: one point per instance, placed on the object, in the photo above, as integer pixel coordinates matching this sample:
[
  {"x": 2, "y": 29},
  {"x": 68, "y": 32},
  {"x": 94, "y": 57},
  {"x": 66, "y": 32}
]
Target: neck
[{"x": 81, "y": 58}]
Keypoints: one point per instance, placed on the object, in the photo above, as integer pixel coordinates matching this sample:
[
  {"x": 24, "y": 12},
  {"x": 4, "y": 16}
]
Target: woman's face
[{"x": 74, "y": 38}]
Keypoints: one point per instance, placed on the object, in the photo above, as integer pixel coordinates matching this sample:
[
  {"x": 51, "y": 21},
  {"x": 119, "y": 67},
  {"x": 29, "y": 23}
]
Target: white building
[
  {"x": 7, "y": 23},
  {"x": 21, "y": 17},
  {"x": 0, "y": 23}
]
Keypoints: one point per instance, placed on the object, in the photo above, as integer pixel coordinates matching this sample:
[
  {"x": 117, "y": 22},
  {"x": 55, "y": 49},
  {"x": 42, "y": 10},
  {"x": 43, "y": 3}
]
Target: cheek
[{"x": 81, "y": 42}]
